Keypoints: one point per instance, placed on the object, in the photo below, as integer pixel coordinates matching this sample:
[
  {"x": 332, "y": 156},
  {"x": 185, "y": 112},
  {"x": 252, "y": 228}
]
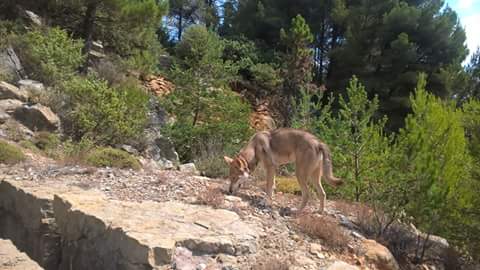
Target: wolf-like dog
[{"x": 312, "y": 160}]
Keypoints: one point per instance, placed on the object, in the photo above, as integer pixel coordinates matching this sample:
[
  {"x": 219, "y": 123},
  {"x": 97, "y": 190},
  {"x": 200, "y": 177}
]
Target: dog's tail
[{"x": 327, "y": 166}]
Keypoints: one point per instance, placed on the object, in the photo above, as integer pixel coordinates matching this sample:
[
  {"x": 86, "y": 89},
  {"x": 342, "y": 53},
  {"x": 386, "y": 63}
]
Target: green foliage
[
  {"x": 45, "y": 140},
  {"x": 10, "y": 154},
  {"x": 360, "y": 148},
  {"x": 110, "y": 157},
  {"x": 433, "y": 162},
  {"x": 199, "y": 46},
  {"x": 129, "y": 31},
  {"x": 221, "y": 126},
  {"x": 266, "y": 76},
  {"x": 212, "y": 166},
  {"x": 208, "y": 113},
  {"x": 107, "y": 115},
  {"x": 50, "y": 56}
]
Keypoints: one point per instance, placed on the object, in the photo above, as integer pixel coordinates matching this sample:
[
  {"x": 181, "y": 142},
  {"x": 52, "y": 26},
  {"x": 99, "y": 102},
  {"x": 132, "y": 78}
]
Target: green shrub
[
  {"x": 266, "y": 76},
  {"x": 10, "y": 154},
  {"x": 45, "y": 140},
  {"x": 213, "y": 166},
  {"x": 50, "y": 56},
  {"x": 29, "y": 145},
  {"x": 110, "y": 157},
  {"x": 105, "y": 114}
]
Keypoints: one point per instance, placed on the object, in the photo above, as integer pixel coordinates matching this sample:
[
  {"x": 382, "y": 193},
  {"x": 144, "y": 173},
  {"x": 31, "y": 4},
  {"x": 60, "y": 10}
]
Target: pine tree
[{"x": 298, "y": 71}]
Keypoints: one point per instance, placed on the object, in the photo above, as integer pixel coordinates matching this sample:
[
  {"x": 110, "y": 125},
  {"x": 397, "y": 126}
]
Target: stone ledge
[{"x": 97, "y": 233}]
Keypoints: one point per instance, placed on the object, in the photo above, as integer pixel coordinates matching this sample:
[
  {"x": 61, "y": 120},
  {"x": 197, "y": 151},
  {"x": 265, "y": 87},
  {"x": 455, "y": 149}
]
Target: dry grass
[
  {"x": 325, "y": 228},
  {"x": 272, "y": 264},
  {"x": 212, "y": 197},
  {"x": 287, "y": 184}
]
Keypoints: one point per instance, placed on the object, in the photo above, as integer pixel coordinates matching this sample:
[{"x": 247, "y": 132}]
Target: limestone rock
[
  {"x": 158, "y": 147},
  {"x": 12, "y": 259},
  {"x": 37, "y": 117},
  {"x": 339, "y": 265},
  {"x": 189, "y": 168},
  {"x": 10, "y": 66},
  {"x": 9, "y": 91},
  {"x": 378, "y": 255},
  {"x": 15, "y": 131},
  {"x": 31, "y": 86},
  {"x": 3, "y": 116},
  {"x": 99, "y": 233},
  {"x": 10, "y": 105}
]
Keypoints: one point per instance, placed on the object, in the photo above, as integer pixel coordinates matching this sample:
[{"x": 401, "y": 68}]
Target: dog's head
[{"x": 239, "y": 172}]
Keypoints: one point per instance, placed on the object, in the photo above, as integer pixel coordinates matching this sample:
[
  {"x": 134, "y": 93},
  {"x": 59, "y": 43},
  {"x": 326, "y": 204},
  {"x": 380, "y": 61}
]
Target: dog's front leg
[{"x": 270, "y": 180}]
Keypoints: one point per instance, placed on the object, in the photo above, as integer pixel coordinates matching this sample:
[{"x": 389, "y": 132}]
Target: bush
[
  {"x": 107, "y": 115},
  {"x": 10, "y": 154},
  {"x": 265, "y": 75},
  {"x": 50, "y": 56},
  {"x": 212, "y": 197},
  {"x": 325, "y": 228},
  {"x": 46, "y": 141},
  {"x": 212, "y": 166},
  {"x": 110, "y": 157}
]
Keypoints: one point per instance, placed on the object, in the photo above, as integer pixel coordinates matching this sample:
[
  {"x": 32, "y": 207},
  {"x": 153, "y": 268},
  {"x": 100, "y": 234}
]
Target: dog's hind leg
[
  {"x": 317, "y": 182},
  {"x": 302, "y": 179}
]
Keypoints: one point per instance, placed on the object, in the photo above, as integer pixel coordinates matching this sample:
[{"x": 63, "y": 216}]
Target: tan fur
[{"x": 282, "y": 146}]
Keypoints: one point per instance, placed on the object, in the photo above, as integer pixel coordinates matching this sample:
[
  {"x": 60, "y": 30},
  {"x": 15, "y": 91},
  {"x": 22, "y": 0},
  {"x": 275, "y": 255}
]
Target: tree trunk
[
  {"x": 88, "y": 28},
  {"x": 180, "y": 24}
]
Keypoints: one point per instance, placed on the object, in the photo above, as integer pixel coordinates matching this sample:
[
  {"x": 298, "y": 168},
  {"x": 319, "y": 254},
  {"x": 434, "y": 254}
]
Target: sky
[{"x": 469, "y": 13}]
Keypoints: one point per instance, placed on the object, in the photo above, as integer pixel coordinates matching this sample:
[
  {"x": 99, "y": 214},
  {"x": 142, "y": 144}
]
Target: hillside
[{"x": 133, "y": 201}]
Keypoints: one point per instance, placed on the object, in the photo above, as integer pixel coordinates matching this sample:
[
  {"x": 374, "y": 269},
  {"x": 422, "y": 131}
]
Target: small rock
[
  {"x": 9, "y": 91},
  {"x": 357, "y": 235},
  {"x": 129, "y": 149},
  {"x": 378, "y": 255},
  {"x": 201, "y": 266},
  {"x": 188, "y": 168}
]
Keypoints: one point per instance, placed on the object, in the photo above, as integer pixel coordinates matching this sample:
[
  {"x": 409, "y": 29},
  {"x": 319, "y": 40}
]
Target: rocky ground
[{"x": 282, "y": 239}]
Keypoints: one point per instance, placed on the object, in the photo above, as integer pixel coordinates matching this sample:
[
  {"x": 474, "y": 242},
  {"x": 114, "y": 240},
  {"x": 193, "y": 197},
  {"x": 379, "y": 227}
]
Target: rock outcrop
[
  {"x": 10, "y": 66},
  {"x": 9, "y": 91},
  {"x": 12, "y": 259},
  {"x": 10, "y": 105},
  {"x": 68, "y": 228},
  {"x": 37, "y": 117}
]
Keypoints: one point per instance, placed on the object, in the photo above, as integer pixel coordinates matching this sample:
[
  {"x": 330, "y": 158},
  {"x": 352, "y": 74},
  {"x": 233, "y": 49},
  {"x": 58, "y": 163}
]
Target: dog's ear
[{"x": 227, "y": 159}]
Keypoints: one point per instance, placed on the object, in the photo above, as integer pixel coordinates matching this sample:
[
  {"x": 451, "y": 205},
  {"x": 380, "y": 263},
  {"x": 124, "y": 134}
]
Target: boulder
[
  {"x": 10, "y": 67},
  {"x": 10, "y": 105},
  {"x": 9, "y": 91},
  {"x": 32, "y": 87},
  {"x": 189, "y": 168},
  {"x": 340, "y": 265},
  {"x": 37, "y": 118},
  {"x": 31, "y": 17},
  {"x": 15, "y": 131},
  {"x": 378, "y": 255}
]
